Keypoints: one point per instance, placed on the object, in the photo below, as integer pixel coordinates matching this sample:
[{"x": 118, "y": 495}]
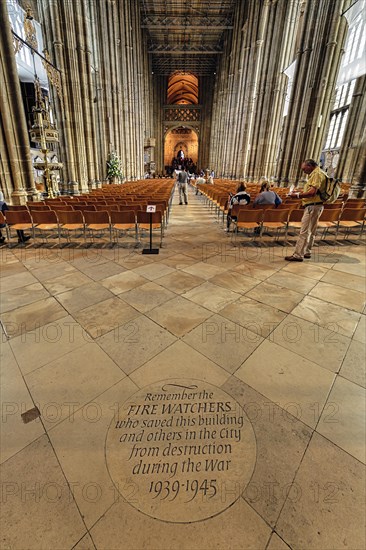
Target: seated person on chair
[
  {"x": 266, "y": 196},
  {"x": 3, "y": 207},
  {"x": 240, "y": 197}
]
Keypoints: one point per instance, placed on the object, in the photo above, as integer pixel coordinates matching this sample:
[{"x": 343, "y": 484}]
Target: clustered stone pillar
[
  {"x": 318, "y": 59},
  {"x": 250, "y": 88},
  {"x": 98, "y": 47},
  {"x": 205, "y": 87},
  {"x": 352, "y": 156},
  {"x": 16, "y": 164},
  {"x": 159, "y": 99},
  {"x": 250, "y": 135}
]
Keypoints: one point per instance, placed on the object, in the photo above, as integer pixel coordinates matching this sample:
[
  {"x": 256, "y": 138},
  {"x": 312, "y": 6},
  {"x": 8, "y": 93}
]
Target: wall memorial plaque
[{"x": 180, "y": 450}]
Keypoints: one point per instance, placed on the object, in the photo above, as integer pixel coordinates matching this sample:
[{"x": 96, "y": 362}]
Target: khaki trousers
[{"x": 309, "y": 223}]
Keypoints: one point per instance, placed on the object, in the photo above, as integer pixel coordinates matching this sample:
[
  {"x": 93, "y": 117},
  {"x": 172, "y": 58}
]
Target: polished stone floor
[{"x": 90, "y": 329}]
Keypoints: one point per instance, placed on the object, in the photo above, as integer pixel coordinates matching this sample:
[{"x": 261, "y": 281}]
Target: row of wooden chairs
[
  {"x": 283, "y": 219},
  {"x": 95, "y": 206},
  {"x": 62, "y": 223}
]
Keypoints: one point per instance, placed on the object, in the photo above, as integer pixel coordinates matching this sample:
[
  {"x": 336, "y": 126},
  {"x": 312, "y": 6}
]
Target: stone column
[
  {"x": 351, "y": 167},
  {"x": 317, "y": 61},
  {"x": 16, "y": 147}
]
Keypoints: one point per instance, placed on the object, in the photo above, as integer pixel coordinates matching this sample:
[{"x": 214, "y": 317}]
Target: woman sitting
[
  {"x": 241, "y": 197},
  {"x": 266, "y": 196}
]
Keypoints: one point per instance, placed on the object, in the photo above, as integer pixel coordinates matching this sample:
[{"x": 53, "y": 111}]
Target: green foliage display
[{"x": 114, "y": 166}]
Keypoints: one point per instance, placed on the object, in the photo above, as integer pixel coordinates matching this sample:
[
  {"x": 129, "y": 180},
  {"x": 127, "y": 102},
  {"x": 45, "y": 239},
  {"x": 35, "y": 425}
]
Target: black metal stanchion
[{"x": 150, "y": 250}]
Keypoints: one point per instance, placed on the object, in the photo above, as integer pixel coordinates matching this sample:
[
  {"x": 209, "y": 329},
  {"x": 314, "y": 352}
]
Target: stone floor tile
[
  {"x": 276, "y": 296},
  {"x": 305, "y": 269},
  {"x": 85, "y": 543},
  {"x": 276, "y": 543},
  {"x": 256, "y": 269},
  {"x": 58, "y": 285},
  {"x": 32, "y": 316},
  {"x": 297, "y": 385},
  {"x": 360, "y": 333},
  {"x": 354, "y": 282},
  {"x": 136, "y": 342},
  {"x": 153, "y": 271},
  {"x": 355, "y": 268},
  {"x": 147, "y": 296},
  {"x": 19, "y": 297},
  {"x": 238, "y": 528},
  {"x": 179, "y": 282},
  {"x": 86, "y": 295},
  {"x": 343, "y": 419},
  {"x": 317, "y": 344},
  {"x": 45, "y": 344},
  {"x": 38, "y": 511},
  {"x": 87, "y": 471},
  {"x": 179, "y": 315},
  {"x": 281, "y": 443},
  {"x": 19, "y": 280},
  {"x": 345, "y": 297},
  {"x": 102, "y": 270},
  {"x": 123, "y": 282},
  {"x": 179, "y": 261},
  {"x": 253, "y": 316},
  {"x": 52, "y": 269},
  {"x": 226, "y": 343},
  {"x": 15, "y": 400},
  {"x": 327, "y": 508},
  {"x": 354, "y": 366},
  {"x": 234, "y": 281},
  {"x": 66, "y": 384},
  {"x": 179, "y": 361},
  {"x": 211, "y": 296},
  {"x": 204, "y": 270},
  {"x": 330, "y": 316},
  {"x": 298, "y": 283},
  {"x": 105, "y": 316}
]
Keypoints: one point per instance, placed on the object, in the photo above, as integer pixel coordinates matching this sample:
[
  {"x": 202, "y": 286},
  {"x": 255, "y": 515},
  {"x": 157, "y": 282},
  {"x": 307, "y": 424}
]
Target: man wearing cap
[{"x": 313, "y": 205}]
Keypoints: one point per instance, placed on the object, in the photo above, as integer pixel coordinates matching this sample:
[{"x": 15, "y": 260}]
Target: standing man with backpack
[
  {"x": 182, "y": 186},
  {"x": 313, "y": 204}
]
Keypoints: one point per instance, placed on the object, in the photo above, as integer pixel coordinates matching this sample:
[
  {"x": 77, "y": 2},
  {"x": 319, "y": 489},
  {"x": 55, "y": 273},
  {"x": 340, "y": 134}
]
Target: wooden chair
[
  {"x": 123, "y": 222},
  {"x": 355, "y": 203},
  {"x": 32, "y": 207},
  {"x": 333, "y": 206},
  {"x": 84, "y": 207},
  {"x": 45, "y": 221},
  {"x": 18, "y": 207},
  {"x": 329, "y": 219},
  {"x": 3, "y": 225},
  {"x": 248, "y": 218},
  {"x": 276, "y": 219},
  {"x": 294, "y": 219},
  {"x": 71, "y": 220},
  {"x": 352, "y": 218},
  {"x": 20, "y": 220},
  {"x": 60, "y": 207},
  {"x": 97, "y": 221},
  {"x": 143, "y": 223}
]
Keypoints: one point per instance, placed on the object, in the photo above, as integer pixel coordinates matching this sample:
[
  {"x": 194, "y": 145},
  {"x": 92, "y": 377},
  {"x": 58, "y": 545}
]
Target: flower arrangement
[{"x": 114, "y": 166}]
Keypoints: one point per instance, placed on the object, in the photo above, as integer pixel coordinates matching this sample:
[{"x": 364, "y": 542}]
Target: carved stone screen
[{"x": 180, "y": 450}]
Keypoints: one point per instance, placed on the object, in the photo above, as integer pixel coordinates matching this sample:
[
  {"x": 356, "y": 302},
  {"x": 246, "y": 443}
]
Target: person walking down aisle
[
  {"x": 313, "y": 208},
  {"x": 182, "y": 180}
]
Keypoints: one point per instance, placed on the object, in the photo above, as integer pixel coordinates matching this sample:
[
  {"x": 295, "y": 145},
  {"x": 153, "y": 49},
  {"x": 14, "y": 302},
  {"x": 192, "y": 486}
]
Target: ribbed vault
[{"x": 182, "y": 89}]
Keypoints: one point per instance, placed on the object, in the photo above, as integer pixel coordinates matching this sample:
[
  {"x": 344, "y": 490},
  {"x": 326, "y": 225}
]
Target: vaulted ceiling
[{"x": 186, "y": 35}]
